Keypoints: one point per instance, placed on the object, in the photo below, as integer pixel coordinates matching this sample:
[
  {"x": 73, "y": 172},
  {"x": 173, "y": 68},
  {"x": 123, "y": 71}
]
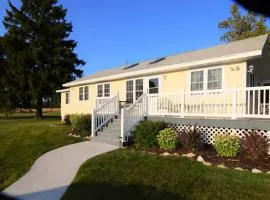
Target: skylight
[
  {"x": 130, "y": 66},
  {"x": 157, "y": 60}
]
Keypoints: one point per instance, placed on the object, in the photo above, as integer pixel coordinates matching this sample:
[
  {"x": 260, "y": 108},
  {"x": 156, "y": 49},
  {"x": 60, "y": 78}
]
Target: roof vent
[
  {"x": 157, "y": 60},
  {"x": 130, "y": 66}
]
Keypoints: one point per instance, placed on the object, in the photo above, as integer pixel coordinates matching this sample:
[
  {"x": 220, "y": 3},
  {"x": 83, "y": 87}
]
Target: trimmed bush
[
  {"x": 67, "y": 120},
  {"x": 80, "y": 121},
  {"x": 146, "y": 132},
  {"x": 227, "y": 145},
  {"x": 190, "y": 138},
  {"x": 255, "y": 146},
  {"x": 167, "y": 139}
]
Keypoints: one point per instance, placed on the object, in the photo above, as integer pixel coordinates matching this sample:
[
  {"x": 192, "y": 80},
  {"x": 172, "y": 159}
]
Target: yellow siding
[{"x": 234, "y": 75}]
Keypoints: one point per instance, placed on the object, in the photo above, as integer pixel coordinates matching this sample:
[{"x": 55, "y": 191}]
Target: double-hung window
[
  {"x": 129, "y": 91},
  {"x": 107, "y": 90},
  {"x": 196, "y": 81},
  {"x": 67, "y": 97},
  {"x": 83, "y": 93},
  {"x": 214, "y": 80},
  {"x": 86, "y": 93},
  {"x": 207, "y": 79},
  {"x": 104, "y": 90},
  {"x": 153, "y": 85},
  {"x": 138, "y": 88}
]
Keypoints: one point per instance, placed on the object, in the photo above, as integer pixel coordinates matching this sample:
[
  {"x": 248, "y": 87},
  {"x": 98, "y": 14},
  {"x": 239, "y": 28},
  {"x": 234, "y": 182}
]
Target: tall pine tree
[
  {"x": 40, "y": 53},
  {"x": 241, "y": 26}
]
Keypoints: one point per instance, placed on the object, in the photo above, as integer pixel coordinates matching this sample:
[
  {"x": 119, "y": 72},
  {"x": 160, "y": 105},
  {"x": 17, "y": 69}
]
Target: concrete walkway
[{"x": 53, "y": 172}]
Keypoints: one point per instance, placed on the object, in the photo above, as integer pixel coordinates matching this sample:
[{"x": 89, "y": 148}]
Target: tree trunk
[{"x": 39, "y": 107}]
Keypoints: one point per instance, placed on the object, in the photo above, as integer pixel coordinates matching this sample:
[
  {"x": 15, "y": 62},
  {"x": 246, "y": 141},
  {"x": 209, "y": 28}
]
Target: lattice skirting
[{"x": 208, "y": 133}]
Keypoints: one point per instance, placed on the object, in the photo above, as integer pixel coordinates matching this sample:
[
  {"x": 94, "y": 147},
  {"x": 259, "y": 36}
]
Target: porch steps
[{"x": 110, "y": 134}]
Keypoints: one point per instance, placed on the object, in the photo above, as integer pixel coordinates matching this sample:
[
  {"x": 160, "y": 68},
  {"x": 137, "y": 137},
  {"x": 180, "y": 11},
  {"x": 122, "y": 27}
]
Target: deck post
[
  {"x": 123, "y": 124},
  {"x": 145, "y": 104},
  {"x": 93, "y": 124},
  {"x": 234, "y": 101},
  {"x": 182, "y": 112}
]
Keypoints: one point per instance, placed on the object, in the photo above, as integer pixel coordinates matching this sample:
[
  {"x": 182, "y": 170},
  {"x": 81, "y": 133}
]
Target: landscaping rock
[
  {"x": 239, "y": 168},
  {"x": 221, "y": 166},
  {"x": 190, "y": 155},
  {"x": 165, "y": 154},
  {"x": 200, "y": 159},
  {"x": 207, "y": 163},
  {"x": 176, "y": 154},
  {"x": 256, "y": 171}
]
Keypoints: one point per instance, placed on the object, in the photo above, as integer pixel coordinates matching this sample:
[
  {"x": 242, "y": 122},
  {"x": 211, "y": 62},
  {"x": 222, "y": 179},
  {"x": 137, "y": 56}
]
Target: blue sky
[{"x": 111, "y": 33}]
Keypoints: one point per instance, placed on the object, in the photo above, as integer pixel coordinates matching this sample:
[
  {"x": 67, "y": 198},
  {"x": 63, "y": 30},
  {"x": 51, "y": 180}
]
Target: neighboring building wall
[{"x": 233, "y": 75}]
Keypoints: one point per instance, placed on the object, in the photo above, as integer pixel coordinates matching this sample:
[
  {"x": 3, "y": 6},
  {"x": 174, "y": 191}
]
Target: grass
[
  {"x": 127, "y": 174},
  {"x": 23, "y": 139}
]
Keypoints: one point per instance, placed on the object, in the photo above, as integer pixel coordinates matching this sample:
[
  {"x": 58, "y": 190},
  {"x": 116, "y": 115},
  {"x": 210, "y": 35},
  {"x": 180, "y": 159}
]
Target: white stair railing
[
  {"x": 132, "y": 115},
  {"x": 102, "y": 114}
]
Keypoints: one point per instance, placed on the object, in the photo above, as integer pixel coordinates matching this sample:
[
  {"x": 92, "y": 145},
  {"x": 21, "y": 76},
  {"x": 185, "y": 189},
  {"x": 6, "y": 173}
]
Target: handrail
[
  {"x": 242, "y": 102},
  {"x": 104, "y": 113},
  {"x": 132, "y": 115}
]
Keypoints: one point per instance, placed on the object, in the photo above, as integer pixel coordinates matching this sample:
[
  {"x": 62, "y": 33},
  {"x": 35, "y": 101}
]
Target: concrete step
[
  {"x": 106, "y": 140},
  {"x": 109, "y": 134},
  {"x": 114, "y": 125},
  {"x": 111, "y": 129}
]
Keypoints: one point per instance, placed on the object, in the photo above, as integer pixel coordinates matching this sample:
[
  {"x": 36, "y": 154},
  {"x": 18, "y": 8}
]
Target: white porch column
[
  {"x": 234, "y": 102},
  {"x": 93, "y": 122},
  {"x": 123, "y": 124}
]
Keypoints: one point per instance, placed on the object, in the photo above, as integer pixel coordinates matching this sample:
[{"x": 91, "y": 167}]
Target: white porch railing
[
  {"x": 232, "y": 103},
  {"x": 132, "y": 115},
  {"x": 103, "y": 113},
  {"x": 101, "y": 101}
]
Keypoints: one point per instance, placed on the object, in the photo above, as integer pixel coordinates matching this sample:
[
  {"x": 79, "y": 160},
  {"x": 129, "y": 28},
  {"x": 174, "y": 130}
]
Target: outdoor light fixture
[{"x": 250, "y": 69}]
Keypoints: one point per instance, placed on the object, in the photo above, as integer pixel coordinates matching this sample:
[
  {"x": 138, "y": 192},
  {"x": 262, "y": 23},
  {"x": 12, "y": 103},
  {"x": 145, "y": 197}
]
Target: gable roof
[{"x": 233, "y": 51}]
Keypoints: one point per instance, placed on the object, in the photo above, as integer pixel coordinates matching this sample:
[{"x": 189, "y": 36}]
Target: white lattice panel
[{"x": 208, "y": 133}]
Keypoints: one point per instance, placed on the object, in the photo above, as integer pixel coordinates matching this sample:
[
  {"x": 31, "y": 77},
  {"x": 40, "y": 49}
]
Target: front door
[{"x": 134, "y": 89}]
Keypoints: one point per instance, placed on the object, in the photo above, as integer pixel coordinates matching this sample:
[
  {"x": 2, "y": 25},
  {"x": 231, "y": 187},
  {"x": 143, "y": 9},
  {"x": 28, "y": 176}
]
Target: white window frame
[
  {"x": 203, "y": 73},
  {"x": 83, "y": 93},
  {"x": 67, "y": 95},
  {"x": 212, "y": 80},
  {"x": 159, "y": 80},
  {"x": 205, "y": 77},
  {"x": 103, "y": 89}
]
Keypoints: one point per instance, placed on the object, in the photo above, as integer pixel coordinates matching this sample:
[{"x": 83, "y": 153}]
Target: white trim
[
  {"x": 173, "y": 67},
  {"x": 63, "y": 90}
]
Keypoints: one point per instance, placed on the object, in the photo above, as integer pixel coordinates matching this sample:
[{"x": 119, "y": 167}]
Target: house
[{"x": 209, "y": 86}]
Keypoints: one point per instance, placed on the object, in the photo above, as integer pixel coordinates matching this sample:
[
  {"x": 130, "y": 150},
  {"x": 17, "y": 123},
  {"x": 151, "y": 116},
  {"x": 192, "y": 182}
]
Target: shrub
[
  {"x": 190, "y": 138},
  {"x": 80, "y": 121},
  {"x": 254, "y": 146},
  {"x": 146, "y": 132},
  {"x": 167, "y": 139},
  {"x": 67, "y": 120},
  {"x": 227, "y": 145}
]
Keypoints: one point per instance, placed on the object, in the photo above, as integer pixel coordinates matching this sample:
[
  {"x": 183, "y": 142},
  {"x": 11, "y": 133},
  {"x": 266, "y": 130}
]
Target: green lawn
[
  {"x": 127, "y": 174},
  {"x": 23, "y": 139}
]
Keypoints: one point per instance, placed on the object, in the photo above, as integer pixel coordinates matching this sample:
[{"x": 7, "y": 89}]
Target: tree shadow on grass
[
  {"x": 28, "y": 116},
  {"x": 99, "y": 191}
]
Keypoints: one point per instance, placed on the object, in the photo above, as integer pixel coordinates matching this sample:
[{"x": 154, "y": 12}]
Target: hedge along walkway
[{"x": 53, "y": 172}]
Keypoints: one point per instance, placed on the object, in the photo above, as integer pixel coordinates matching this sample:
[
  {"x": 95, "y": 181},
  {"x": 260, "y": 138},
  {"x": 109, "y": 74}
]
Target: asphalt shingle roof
[{"x": 242, "y": 46}]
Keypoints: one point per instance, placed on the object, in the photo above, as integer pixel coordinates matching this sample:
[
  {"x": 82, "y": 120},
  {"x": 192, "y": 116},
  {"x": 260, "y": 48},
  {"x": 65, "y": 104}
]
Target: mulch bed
[{"x": 210, "y": 155}]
